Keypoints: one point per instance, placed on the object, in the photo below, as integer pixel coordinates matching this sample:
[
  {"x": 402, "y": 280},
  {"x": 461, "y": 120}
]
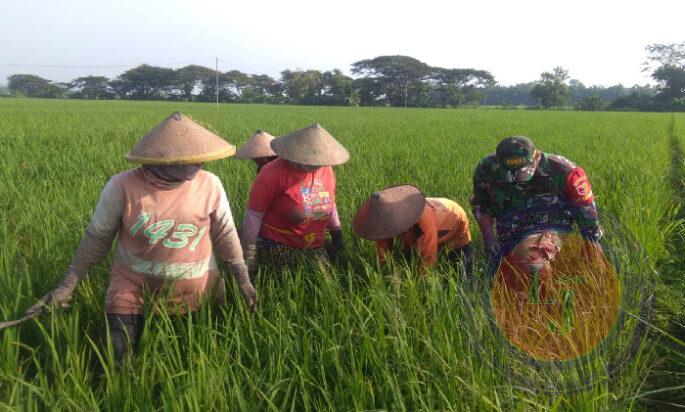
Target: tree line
[{"x": 398, "y": 81}]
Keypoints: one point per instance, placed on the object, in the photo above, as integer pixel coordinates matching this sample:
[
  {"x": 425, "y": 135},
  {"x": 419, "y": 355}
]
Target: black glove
[
  {"x": 337, "y": 239},
  {"x": 337, "y": 245}
]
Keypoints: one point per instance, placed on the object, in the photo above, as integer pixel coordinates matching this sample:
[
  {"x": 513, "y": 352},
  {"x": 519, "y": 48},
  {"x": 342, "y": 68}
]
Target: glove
[
  {"x": 337, "y": 239},
  {"x": 250, "y": 256},
  {"x": 57, "y": 298},
  {"x": 242, "y": 277},
  {"x": 250, "y": 295},
  {"x": 337, "y": 243}
]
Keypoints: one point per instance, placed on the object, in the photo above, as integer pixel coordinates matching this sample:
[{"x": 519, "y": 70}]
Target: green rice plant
[{"x": 352, "y": 336}]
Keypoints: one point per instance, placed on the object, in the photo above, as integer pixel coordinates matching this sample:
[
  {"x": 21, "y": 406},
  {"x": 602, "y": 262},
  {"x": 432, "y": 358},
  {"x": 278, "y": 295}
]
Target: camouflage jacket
[{"x": 558, "y": 196}]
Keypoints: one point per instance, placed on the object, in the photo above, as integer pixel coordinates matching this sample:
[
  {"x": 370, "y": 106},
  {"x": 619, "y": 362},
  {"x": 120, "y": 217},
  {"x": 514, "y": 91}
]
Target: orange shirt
[{"x": 442, "y": 223}]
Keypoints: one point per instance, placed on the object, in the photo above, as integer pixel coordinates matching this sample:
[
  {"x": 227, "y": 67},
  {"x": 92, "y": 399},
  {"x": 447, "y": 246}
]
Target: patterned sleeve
[
  {"x": 480, "y": 199},
  {"x": 582, "y": 201}
]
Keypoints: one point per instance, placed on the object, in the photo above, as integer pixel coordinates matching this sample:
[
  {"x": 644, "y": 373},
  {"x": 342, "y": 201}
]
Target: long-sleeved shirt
[
  {"x": 442, "y": 223},
  {"x": 558, "y": 195},
  {"x": 165, "y": 233}
]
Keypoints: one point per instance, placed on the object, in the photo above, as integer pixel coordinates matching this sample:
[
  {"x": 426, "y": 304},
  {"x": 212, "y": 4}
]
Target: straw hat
[
  {"x": 311, "y": 146},
  {"x": 389, "y": 212},
  {"x": 179, "y": 140},
  {"x": 258, "y": 146}
]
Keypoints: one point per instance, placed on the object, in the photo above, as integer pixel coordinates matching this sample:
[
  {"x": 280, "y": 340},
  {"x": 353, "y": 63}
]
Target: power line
[{"x": 103, "y": 66}]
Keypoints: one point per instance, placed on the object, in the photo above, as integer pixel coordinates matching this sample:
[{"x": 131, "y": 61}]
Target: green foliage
[
  {"x": 344, "y": 338},
  {"x": 593, "y": 103},
  {"x": 189, "y": 78},
  {"x": 5, "y": 92},
  {"x": 144, "y": 82},
  {"x": 303, "y": 87},
  {"x": 401, "y": 78},
  {"x": 551, "y": 90},
  {"x": 91, "y": 87},
  {"x": 29, "y": 85},
  {"x": 669, "y": 75},
  {"x": 671, "y": 87},
  {"x": 455, "y": 87}
]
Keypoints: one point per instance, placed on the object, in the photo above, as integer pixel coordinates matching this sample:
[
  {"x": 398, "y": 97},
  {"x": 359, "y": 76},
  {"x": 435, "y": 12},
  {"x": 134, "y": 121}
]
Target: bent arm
[
  {"x": 100, "y": 233},
  {"x": 582, "y": 200},
  {"x": 335, "y": 230},
  {"x": 95, "y": 244},
  {"x": 252, "y": 224},
  {"x": 224, "y": 234},
  {"x": 227, "y": 246},
  {"x": 334, "y": 223},
  {"x": 383, "y": 250}
]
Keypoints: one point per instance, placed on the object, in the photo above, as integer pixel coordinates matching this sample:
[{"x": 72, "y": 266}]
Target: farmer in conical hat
[
  {"x": 524, "y": 199},
  {"x": 422, "y": 224},
  {"x": 292, "y": 201},
  {"x": 258, "y": 149},
  {"x": 170, "y": 218}
]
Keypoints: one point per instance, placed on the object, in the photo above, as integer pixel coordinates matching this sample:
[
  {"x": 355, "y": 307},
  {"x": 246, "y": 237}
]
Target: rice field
[{"x": 351, "y": 336}]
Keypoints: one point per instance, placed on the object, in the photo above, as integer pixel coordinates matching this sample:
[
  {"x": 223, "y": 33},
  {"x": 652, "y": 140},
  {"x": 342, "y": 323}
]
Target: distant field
[{"x": 350, "y": 338}]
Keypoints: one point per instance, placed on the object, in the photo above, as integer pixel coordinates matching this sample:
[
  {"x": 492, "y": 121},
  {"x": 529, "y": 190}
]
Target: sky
[{"x": 600, "y": 42}]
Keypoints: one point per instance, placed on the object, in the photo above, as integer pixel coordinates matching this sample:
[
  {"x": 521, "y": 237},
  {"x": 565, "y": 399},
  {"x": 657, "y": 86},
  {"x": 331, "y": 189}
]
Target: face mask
[{"x": 175, "y": 173}]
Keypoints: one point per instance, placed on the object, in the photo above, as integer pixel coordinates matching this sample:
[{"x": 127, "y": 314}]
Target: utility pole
[
  {"x": 217, "y": 82},
  {"x": 406, "y": 85}
]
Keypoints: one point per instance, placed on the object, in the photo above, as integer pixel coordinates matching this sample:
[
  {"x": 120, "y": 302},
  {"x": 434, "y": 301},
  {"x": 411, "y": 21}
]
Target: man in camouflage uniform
[{"x": 524, "y": 197}]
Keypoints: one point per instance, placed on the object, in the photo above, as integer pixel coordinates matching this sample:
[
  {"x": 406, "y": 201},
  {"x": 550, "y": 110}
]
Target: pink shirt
[{"x": 166, "y": 236}]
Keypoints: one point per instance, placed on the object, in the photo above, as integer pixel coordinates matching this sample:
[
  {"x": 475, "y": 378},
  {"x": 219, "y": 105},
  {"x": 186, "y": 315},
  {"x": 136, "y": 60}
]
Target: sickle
[{"x": 11, "y": 323}]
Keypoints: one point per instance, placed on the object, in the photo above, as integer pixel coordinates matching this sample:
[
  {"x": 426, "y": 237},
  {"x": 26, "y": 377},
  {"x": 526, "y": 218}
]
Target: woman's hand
[
  {"x": 58, "y": 298},
  {"x": 250, "y": 295},
  {"x": 250, "y": 256},
  {"x": 248, "y": 291}
]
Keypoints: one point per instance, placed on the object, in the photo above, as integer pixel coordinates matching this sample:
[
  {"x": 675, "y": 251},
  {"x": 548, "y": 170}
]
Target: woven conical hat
[
  {"x": 258, "y": 146},
  {"x": 311, "y": 146},
  {"x": 179, "y": 140},
  {"x": 389, "y": 212}
]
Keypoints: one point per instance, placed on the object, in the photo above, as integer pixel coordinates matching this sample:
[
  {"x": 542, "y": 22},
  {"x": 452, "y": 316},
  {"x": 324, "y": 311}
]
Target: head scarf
[{"x": 174, "y": 173}]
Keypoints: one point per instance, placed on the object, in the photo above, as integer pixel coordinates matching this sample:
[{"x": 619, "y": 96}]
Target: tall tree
[
  {"x": 145, "y": 82},
  {"x": 234, "y": 87},
  {"x": 266, "y": 89},
  {"x": 91, "y": 87},
  {"x": 551, "y": 90},
  {"x": 337, "y": 88},
  {"x": 237, "y": 83},
  {"x": 669, "y": 75},
  {"x": 369, "y": 91},
  {"x": 401, "y": 79},
  {"x": 188, "y": 79},
  {"x": 302, "y": 87},
  {"x": 458, "y": 86},
  {"x": 30, "y": 85}
]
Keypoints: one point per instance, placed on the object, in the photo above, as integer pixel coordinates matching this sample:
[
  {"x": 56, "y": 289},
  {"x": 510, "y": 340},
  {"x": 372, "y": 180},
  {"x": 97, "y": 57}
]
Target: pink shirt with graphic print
[{"x": 166, "y": 237}]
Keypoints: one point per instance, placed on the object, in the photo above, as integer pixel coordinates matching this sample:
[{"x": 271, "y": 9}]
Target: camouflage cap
[{"x": 516, "y": 154}]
